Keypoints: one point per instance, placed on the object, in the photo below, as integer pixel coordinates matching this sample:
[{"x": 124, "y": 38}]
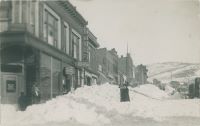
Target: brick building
[
  {"x": 141, "y": 74},
  {"x": 107, "y": 65},
  {"x": 89, "y": 58},
  {"x": 41, "y": 44},
  {"x": 126, "y": 68}
]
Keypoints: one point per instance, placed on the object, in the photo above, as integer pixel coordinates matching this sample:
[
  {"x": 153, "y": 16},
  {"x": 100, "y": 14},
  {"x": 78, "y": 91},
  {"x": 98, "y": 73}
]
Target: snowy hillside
[
  {"x": 173, "y": 70},
  {"x": 100, "y": 106}
]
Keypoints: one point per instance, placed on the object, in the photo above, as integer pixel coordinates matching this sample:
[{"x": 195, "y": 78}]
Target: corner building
[{"x": 41, "y": 43}]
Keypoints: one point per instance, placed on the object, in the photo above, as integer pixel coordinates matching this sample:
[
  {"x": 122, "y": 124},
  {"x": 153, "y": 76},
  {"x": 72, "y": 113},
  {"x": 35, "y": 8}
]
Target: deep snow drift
[{"x": 100, "y": 105}]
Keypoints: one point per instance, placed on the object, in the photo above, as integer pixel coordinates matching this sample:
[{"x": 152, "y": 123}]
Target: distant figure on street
[
  {"x": 35, "y": 94},
  {"x": 22, "y": 102},
  {"x": 124, "y": 92}
]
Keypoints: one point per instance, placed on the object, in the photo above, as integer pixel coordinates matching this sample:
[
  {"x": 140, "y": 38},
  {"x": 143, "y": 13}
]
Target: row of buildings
[
  {"x": 114, "y": 69},
  {"x": 48, "y": 44}
]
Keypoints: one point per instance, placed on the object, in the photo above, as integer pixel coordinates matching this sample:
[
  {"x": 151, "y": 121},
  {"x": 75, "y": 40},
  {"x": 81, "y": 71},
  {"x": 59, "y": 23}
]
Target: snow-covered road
[{"x": 101, "y": 106}]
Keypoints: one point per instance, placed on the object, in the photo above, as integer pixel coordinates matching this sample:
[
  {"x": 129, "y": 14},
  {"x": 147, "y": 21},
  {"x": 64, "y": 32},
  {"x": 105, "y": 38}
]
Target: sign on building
[
  {"x": 69, "y": 70},
  {"x": 82, "y": 64}
]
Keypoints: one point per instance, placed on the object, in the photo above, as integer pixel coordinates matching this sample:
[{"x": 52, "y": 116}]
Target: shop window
[
  {"x": 56, "y": 67},
  {"x": 45, "y": 77},
  {"x": 11, "y": 86},
  {"x": 50, "y": 76}
]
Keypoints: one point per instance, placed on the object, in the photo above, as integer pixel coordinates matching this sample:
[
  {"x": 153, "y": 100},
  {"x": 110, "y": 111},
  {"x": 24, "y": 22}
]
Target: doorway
[
  {"x": 9, "y": 88},
  {"x": 88, "y": 81}
]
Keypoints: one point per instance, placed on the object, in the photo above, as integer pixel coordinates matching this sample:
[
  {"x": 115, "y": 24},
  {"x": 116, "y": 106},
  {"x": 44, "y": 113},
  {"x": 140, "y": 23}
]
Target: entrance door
[
  {"x": 9, "y": 89},
  {"x": 88, "y": 81}
]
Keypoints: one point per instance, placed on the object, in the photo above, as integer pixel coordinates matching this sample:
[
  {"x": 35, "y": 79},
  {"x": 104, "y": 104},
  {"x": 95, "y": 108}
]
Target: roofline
[
  {"x": 93, "y": 38},
  {"x": 72, "y": 9}
]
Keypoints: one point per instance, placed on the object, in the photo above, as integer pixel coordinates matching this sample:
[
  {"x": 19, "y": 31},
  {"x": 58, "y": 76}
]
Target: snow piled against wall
[{"x": 100, "y": 105}]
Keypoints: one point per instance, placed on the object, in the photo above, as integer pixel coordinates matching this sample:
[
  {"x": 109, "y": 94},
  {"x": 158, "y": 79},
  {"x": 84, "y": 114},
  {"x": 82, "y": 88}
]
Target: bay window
[{"x": 26, "y": 12}]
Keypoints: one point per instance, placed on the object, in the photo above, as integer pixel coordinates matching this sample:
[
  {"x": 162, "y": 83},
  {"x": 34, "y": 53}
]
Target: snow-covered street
[{"x": 100, "y": 105}]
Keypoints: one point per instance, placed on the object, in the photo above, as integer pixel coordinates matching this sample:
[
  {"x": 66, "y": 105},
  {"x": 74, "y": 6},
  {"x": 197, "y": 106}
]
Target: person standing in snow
[
  {"x": 124, "y": 91},
  {"x": 22, "y": 102},
  {"x": 35, "y": 94}
]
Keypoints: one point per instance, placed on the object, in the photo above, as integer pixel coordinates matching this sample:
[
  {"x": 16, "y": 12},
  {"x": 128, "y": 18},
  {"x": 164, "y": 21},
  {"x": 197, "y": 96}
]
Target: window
[
  {"x": 32, "y": 12},
  {"x": 104, "y": 60},
  {"x": 66, "y": 38},
  {"x": 100, "y": 68},
  {"x": 45, "y": 76},
  {"x": 11, "y": 86},
  {"x": 16, "y": 11},
  {"x": 89, "y": 54},
  {"x": 51, "y": 27},
  {"x": 56, "y": 72},
  {"x": 50, "y": 73},
  {"x": 24, "y": 11},
  {"x": 76, "y": 45}
]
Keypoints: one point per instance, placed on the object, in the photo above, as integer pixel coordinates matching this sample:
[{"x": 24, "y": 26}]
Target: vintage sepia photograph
[{"x": 99, "y": 62}]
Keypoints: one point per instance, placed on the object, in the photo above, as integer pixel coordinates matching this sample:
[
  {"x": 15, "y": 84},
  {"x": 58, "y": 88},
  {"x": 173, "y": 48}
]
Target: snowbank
[
  {"x": 100, "y": 105},
  {"x": 169, "y": 90},
  {"x": 61, "y": 109},
  {"x": 151, "y": 91}
]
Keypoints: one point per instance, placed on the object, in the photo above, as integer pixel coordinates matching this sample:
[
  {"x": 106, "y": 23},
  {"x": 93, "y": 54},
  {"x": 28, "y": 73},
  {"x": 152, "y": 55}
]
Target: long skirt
[{"x": 124, "y": 95}]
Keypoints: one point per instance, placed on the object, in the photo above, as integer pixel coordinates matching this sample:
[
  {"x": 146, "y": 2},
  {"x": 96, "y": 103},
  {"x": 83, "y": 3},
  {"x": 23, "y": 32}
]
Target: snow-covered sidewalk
[{"x": 100, "y": 105}]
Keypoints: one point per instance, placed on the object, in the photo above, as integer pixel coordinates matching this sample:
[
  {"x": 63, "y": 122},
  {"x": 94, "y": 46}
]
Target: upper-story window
[
  {"x": 76, "y": 45},
  {"x": 26, "y": 12},
  {"x": 100, "y": 68},
  {"x": 66, "y": 37},
  {"x": 51, "y": 27},
  {"x": 89, "y": 53},
  {"x": 23, "y": 11},
  {"x": 16, "y": 11}
]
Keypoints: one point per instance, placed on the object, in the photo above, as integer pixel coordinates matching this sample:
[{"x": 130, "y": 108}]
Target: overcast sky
[{"x": 155, "y": 30}]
